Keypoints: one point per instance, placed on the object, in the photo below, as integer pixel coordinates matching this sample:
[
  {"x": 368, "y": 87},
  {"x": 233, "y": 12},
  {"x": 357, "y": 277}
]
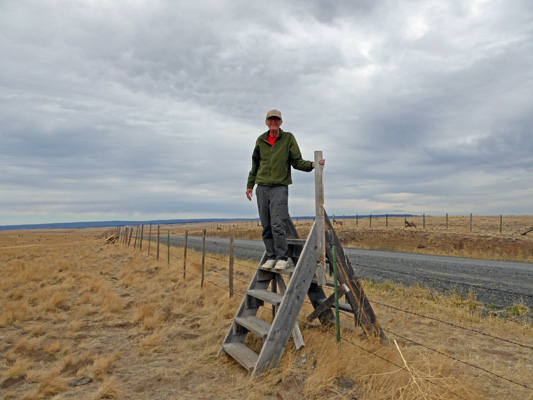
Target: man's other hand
[{"x": 321, "y": 162}]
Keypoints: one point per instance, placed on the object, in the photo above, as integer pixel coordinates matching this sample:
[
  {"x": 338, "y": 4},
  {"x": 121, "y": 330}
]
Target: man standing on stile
[{"x": 274, "y": 153}]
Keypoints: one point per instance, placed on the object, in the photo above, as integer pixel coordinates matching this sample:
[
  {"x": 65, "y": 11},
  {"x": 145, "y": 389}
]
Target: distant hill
[{"x": 107, "y": 224}]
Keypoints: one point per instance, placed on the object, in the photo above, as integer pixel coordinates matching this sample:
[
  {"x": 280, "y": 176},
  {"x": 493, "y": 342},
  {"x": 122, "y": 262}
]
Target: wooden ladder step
[
  {"x": 342, "y": 305},
  {"x": 242, "y": 354},
  {"x": 299, "y": 242},
  {"x": 266, "y": 295},
  {"x": 255, "y": 325}
]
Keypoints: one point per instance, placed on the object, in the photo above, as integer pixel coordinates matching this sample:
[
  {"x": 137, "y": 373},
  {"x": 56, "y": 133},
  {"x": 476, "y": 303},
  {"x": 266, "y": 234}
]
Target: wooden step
[
  {"x": 266, "y": 295},
  {"x": 297, "y": 242},
  {"x": 255, "y": 325},
  {"x": 329, "y": 282},
  {"x": 242, "y": 354},
  {"x": 342, "y": 305}
]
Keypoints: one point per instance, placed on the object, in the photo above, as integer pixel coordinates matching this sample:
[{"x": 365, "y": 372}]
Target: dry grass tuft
[
  {"x": 110, "y": 389},
  {"x": 52, "y": 385},
  {"x": 19, "y": 369},
  {"x": 151, "y": 344},
  {"x": 147, "y": 316},
  {"x": 104, "y": 365}
]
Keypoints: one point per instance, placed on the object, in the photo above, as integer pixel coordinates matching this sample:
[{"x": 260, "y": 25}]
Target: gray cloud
[{"x": 134, "y": 110}]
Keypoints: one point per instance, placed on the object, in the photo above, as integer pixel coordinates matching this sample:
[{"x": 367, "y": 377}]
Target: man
[{"x": 274, "y": 153}]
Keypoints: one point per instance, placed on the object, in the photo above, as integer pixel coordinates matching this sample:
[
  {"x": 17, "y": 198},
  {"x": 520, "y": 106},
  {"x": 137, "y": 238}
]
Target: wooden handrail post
[{"x": 319, "y": 219}]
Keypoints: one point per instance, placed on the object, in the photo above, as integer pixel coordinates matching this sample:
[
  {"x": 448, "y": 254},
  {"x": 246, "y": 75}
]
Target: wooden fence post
[
  {"x": 356, "y": 219},
  {"x": 131, "y": 234},
  {"x": 185, "y": 254},
  {"x": 470, "y": 222},
  {"x": 149, "y": 238},
  {"x": 168, "y": 247},
  {"x": 370, "y": 221},
  {"x": 141, "y": 240},
  {"x": 231, "y": 259},
  {"x": 501, "y": 223},
  {"x": 446, "y": 220},
  {"x": 203, "y": 259},
  {"x": 386, "y": 220},
  {"x": 424, "y": 220},
  {"x": 136, "y": 234},
  {"x": 158, "y": 234}
]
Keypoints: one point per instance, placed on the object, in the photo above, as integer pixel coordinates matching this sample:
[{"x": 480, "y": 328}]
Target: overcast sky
[{"x": 150, "y": 109}]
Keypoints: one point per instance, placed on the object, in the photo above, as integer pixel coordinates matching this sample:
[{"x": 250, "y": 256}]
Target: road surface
[{"x": 500, "y": 283}]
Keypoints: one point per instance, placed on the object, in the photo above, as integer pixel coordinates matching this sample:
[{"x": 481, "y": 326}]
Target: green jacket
[{"x": 271, "y": 165}]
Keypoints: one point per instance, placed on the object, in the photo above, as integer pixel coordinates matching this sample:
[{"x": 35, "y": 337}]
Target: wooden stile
[{"x": 304, "y": 279}]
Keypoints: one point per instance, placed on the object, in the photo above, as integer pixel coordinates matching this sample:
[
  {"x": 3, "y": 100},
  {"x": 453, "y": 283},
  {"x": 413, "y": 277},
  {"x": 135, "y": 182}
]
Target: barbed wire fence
[
  {"x": 124, "y": 236},
  {"x": 502, "y": 224}
]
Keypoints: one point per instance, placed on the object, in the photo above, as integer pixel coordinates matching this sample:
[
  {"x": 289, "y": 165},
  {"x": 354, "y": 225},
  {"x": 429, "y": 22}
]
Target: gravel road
[{"x": 498, "y": 282}]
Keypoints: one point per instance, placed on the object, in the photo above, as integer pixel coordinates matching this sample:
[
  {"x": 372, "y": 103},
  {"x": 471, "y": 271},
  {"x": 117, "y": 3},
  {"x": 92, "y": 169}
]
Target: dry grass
[{"x": 72, "y": 306}]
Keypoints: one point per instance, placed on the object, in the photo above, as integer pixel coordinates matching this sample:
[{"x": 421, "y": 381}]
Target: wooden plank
[
  {"x": 365, "y": 316},
  {"x": 242, "y": 354},
  {"x": 296, "y": 242},
  {"x": 243, "y": 309},
  {"x": 329, "y": 302},
  {"x": 283, "y": 324},
  {"x": 266, "y": 295},
  {"x": 343, "y": 306},
  {"x": 316, "y": 294},
  {"x": 254, "y": 324},
  {"x": 319, "y": 219},
  {"x": 296, "y": 332}
]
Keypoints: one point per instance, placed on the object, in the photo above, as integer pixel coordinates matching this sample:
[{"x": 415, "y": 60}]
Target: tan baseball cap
[{"x": 274, "y": 113}]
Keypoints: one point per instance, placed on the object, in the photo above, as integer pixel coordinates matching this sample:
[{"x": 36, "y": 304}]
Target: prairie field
[{"x": 84, "y": 319}]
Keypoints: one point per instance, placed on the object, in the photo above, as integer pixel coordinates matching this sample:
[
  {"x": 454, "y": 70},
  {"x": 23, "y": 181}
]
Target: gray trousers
[{"x": 273, "y": 204}]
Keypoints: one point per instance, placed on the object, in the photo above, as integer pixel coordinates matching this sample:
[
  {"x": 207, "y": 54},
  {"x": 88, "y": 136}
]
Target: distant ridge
[{"x": 107, "y": 224}]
